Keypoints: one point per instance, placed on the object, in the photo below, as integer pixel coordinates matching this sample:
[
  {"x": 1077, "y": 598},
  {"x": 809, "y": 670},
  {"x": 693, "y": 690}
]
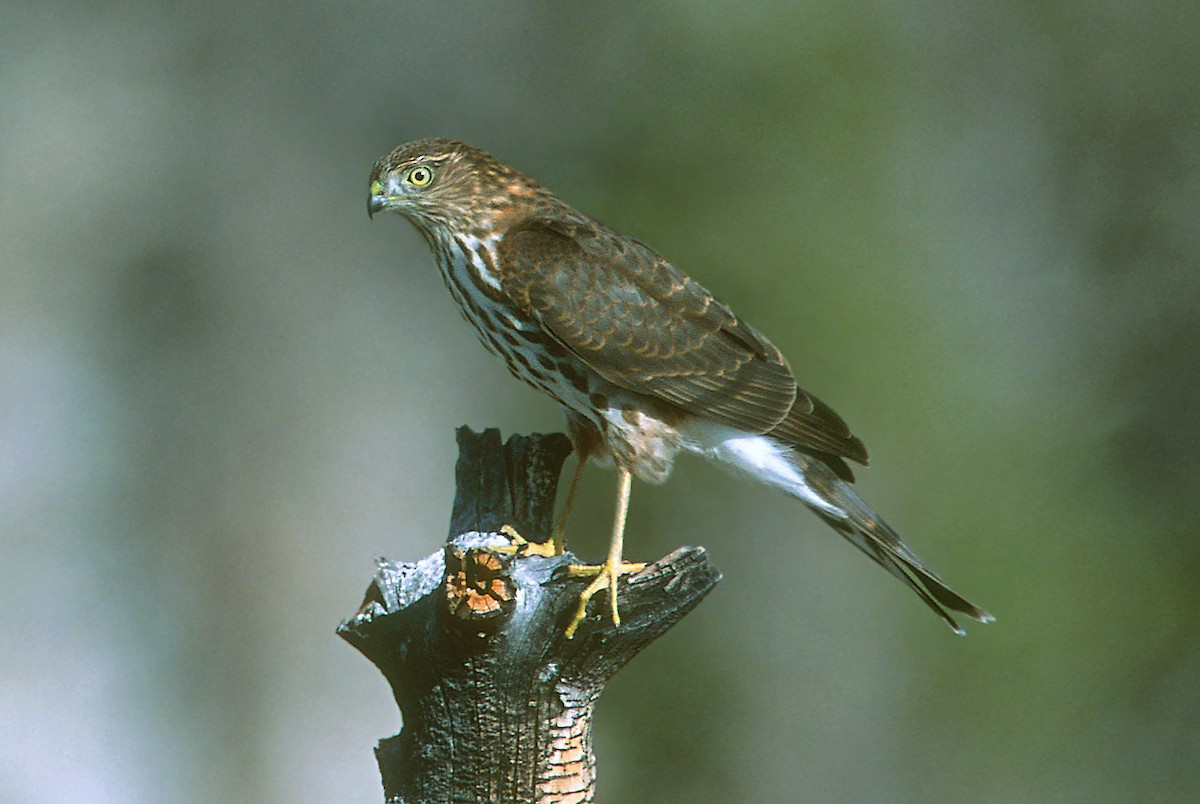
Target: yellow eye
[{"x": 419, "y": 176}]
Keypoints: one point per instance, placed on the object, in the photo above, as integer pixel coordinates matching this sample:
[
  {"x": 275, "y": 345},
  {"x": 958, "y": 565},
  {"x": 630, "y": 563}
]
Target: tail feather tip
[{"x": 975, "y": 613}]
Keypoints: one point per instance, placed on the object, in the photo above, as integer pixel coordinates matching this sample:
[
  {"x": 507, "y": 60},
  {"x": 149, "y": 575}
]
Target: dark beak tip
[{"x": 375, "y": 204}]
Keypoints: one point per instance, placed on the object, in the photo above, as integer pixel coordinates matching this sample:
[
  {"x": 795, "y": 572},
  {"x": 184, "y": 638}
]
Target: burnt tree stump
[{"x": 497, "y": 702}]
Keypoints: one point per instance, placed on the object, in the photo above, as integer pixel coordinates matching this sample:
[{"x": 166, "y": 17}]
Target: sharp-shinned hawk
[{"x": 645, "y": 362}]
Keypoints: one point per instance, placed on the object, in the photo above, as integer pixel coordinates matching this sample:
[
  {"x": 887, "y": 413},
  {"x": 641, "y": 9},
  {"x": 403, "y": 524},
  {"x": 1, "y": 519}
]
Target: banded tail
[{"x": 815, "y": 483}]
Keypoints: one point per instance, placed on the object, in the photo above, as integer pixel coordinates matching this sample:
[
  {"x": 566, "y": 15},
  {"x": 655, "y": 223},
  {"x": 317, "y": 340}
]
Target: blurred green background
[{"x": 973, "y": 228}]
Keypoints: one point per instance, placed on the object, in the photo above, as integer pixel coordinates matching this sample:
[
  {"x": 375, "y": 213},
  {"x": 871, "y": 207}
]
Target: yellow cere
[{"x": 376, "y": 187}]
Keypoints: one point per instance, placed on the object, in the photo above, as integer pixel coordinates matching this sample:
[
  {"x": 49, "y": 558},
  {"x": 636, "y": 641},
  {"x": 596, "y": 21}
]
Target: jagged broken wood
[{"x": 497, "y": 702}]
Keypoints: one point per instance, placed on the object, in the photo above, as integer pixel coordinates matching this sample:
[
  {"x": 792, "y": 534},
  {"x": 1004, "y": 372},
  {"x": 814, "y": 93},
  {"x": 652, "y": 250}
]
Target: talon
[
  {"x": 519, "y": 545},
  {"x": 606, "y": 575}
]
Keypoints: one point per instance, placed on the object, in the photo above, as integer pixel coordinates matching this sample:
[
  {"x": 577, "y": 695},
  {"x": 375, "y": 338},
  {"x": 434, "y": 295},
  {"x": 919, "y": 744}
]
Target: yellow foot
[
  {"x": 606, "y": 576},
  {"x": 519, "y": 545}
]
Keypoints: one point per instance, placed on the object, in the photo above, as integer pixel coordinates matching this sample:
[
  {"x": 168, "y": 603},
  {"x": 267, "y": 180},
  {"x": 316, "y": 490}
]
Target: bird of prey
[{"x": 645, "y": 362}]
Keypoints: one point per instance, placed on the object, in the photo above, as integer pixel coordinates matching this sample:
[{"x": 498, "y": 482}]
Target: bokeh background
[{"x": 972, "y": 227}]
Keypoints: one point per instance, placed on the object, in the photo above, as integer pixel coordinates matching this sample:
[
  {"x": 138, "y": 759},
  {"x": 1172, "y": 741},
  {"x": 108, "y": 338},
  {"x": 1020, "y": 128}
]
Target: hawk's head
[{"x": 444, "y": 186}]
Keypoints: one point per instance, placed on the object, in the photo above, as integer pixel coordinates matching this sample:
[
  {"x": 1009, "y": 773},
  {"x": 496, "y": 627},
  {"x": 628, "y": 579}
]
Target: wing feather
[{"x": 646, "y": 326}]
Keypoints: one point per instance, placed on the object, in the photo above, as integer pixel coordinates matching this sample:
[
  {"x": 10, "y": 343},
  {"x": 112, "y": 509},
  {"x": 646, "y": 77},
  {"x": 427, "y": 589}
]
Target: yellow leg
[
  {"x": 612, "y": 568},
  {"x": 556, "y": 545},
  {"x": 559, "y": 534}
]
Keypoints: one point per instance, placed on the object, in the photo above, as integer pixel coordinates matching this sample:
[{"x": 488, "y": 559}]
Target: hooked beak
[
  {"x": 377, "y": 199},
  {"x": 375, "y": 203}
]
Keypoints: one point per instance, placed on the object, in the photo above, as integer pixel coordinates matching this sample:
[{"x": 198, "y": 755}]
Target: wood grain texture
[{"x": 497, "y": 703}]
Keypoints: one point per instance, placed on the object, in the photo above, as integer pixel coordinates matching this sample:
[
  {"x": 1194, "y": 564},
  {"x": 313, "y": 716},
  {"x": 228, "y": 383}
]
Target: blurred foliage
[{"x": 972, "y": 228}]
